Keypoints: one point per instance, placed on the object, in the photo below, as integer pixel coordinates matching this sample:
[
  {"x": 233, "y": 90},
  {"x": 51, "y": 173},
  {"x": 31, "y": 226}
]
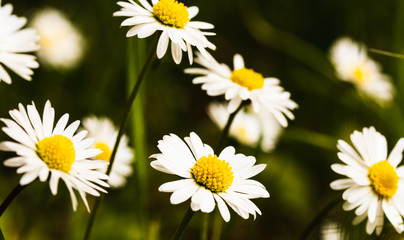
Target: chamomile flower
[
  {"x": 53, "y": 153},
  {"x": 14, "y": 45},
  {"x": 104, "y": 133},
  {"x": 248, "y": 127},
  {"x": 209, "y": 179},
  {"x": 241, "y": 84},
  {"x": 173, "y": 19},
  {"x": 62, "y": 45},
  {"x": 352, "y": 64},
  {"x": 374, "y": 183},
  {"x": 333, "y": 231}
]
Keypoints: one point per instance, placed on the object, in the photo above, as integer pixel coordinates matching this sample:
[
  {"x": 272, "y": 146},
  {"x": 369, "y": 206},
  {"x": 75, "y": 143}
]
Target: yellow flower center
[
  {"x": 361, "y": 74},
  {"x": 247, "y": 78},
  {"x": 57, "y": 152},
  {"x": 171, "y": 13},
  {"x": 106, "y": 152},
  {"x": 212, "y": 173},
  {"x": 384, "y": 179},
  {"x": 241, "y": 133}
]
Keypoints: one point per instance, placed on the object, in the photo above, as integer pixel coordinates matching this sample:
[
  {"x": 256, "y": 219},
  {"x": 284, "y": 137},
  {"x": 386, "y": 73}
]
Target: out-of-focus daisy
[
  {"x": 173, "y": 19},
  {"x": 209, "y": 179},
  {"x": 53, "y": 153},
  {"x": 244, "y": 84},
  {"x": 14, "y": 44},
  {"x": 248, "y": 127},
  {"x": 333, "y": 231},
  {"x": 61, "y": 43},
  {"x": 375, "y": 184},
  {"x": 352, "y": 64},
  {"x": 104, "y": 133}
]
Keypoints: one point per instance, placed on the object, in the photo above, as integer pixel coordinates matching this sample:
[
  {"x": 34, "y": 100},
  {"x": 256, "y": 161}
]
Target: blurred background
[{"x": 286, "y": 39}]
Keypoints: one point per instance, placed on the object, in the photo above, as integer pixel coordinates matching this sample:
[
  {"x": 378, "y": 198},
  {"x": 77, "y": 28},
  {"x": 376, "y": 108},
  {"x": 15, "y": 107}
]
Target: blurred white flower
[
  {"x": 333, "y": 231},
  {"x": 241, "y": 84},
  {"x": 375, "y": 183},
  {"x": 352, "y": 64},
  {"x": 62, "y": 45},
  {"x": 248, "y": 127},
  {"x": 173, "y": 19},
  {"x": 104, "y": 133},
  {"x": 209, "y": 179},
  {"x": 14, "y": 43},
  {"x": 52, "y": 153}
]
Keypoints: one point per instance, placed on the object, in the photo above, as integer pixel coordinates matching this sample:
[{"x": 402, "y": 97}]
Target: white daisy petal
[
  {"x": 53, "y": 154},
  {"x": 206, "y": 186},
  {"x": 104, "y": 133},
  {"x": 184, "y": 34},
  {"x": 352, "y": 64},
  {"x": 15, "y": 43},
  {"x": 241, "y": 84},
  {"x": 374, "y": 183}
]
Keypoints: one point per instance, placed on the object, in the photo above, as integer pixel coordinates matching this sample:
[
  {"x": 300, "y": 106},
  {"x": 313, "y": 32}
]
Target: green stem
[
  {"x": 142, "y": 74},
  {"x": 205, "y": 226},
  {"x": 128, "y": 107},
  {"x": 137, "y": 128},
  {"x": 386, "y": 53},
  {"x": 319, "y": 217},
  {"x": 184, "y": 223},
  {"x": 11, "y": 197},
  {"x": 225, "y": 132},
  {"x": 92, "y": 217},
  {"x": 1, "y": 235}
]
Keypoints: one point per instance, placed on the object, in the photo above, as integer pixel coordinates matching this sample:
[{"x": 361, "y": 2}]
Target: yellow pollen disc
[
  {"x": 171, "y": 13},
  {"x": 106, "y": 152},
  {"x": 242, "y": 134},
  {"x": 247, "y": 78},
  {"x": 212, "y": 173},
  {"x": 384, "y": 179},
  {"x": 361, "y": 74},
  {"x": 57, "y": 152}
]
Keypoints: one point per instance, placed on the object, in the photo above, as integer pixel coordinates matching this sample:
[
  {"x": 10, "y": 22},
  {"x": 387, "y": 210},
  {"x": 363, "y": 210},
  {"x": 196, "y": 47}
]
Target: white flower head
[
  {"x": 53, "y": 153},
  {"x": 374, "y": 184},
  {"x": 248, "y": 127},
  {"x": 14, "y": 45},
  {"x": 333, "y": 231},
  {"x": 352, "y": 64},
  {"x": 209, "y": 179},
  {"x": 173, "y": 19},
  {"x": 105, "y": 133},
  {"x": 265, "y": 94},
  {"x": 62, "y": 45}
]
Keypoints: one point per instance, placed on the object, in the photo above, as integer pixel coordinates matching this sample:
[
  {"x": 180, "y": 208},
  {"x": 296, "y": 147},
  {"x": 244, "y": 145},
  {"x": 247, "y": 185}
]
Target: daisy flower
[
  {"x": 62, "y": 45},
  {"x": 173, "y": 19},
  {"x": 209, "y": 179},
  {"x": 374, "y": 183},
  {"x": 333, "y": 231},
  {"x": 104, "y": 133},
  {"x": 352, "y": 64},
  {"x": 52, "y": 153},
  {"x": 243, "y": 84},
  {"x": 14, "y": 43},
  {"x": 248, "y": 127}
]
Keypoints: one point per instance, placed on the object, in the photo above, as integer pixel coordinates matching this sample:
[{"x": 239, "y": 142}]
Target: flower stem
[
  {"x": 149, "y": 60},
  {"x": 11, "y": 197},
  {"x": 1, "y": 235},
  {"x": 225, "y": 132},
  {"x": 184, "y": 223},
  {"x": 138, "y": 129},
  {"x": 128, "y": 107},
  {"x": 205, "y": 226},
  {"x": 319, "y": 217}
]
